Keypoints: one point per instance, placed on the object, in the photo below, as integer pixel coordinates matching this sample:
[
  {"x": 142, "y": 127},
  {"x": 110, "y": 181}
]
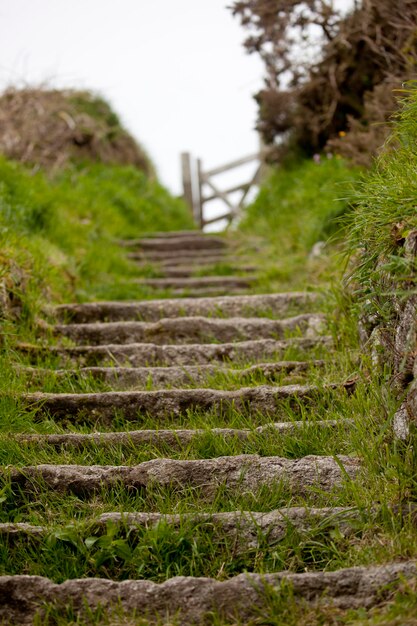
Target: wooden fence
[{"x": 199, "y": 188}]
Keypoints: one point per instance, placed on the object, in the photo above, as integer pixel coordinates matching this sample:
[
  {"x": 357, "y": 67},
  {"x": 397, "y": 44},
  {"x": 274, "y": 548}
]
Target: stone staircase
[{"x": 177, "y": 375}]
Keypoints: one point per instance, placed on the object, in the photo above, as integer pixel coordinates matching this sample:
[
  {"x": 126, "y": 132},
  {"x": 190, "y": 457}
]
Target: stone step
[
  {"x": 172, "y": 260},
  {"x": 240, "y": 474},
  {"x": 184, "y": 271},
  {"x": 167, "y": 234},
  {"x": 198, "y": 283},
  {"x": 276, "y": 304},
  {"x": 188, "y": 601},
  {"x": 202, "y": 292},
  {"x": 127, "y": 377},
  {"x": 21, "y": 529},
  {"x": 150, "y": 354},
  {"x": 174, "y": 438},
  {"x": 189, "y": 330},
  {"x": 173, "y": 402},
  {"x": 186, "y": 256},
  {"x": 245, "y": 529},
  {"x": 202, "y": 242}
]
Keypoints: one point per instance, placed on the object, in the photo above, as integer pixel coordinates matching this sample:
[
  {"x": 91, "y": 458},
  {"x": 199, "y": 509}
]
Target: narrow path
[{"x": 170, "y": 469}]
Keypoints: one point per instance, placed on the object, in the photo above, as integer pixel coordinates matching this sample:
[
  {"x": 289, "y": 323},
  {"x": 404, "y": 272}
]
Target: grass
[
  {"x": 299, "y": 205},
  {"x": 384, "y": 218},
  {"x": 54, "y": 232},
  {"x": 60, "y": 264},
  {"x": 163, "y": 551}
]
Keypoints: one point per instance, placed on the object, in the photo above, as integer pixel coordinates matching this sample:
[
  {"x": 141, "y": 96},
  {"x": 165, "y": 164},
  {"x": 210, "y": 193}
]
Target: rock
[
  {"x": 242, "y": 474},
  {"x": 181, "y": 243},
  {"x": 123, "y": 378},
  {"x": 191, "y": 330},
  {"x": 198, "y": 282},
  {"x": 401, "y": 424},
  {"x": 153, "y": 310},
  {"x": 175, "y": 438},
  {"x": 267, "y": 399},
  {"x": 193, "y": 599},
  {"x": 141, "y": 354},
  {"x": 317, "y": 251}
]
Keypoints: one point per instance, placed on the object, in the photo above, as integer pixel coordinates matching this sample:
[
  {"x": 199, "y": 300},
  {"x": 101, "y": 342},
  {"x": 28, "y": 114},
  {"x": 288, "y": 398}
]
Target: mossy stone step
[
  {"x": 191, "y": 330},
  {"x": 181, "y": 243},
  {"x": 277, "y": 305},
  {"x": 191, "y": 270},
  {"x": 179, "y": 260},
  {"x": 123, "y": 378},
  {"x": 245, "y": 529},
  {"x": 266, "y": 399},
  {"x": 240, "y": 474},
  {"x": 177, "y": 438},
  {"x": 168, "y": 234},
  {"x": 151, "y": 354},
  {"x": 199, "y": 282},
  {"x": 194, "y": 600},
  {"x": 186, "y": 256}
]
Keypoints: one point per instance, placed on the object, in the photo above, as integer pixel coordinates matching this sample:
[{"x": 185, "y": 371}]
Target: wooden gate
[{"x": 199, "y": 188}]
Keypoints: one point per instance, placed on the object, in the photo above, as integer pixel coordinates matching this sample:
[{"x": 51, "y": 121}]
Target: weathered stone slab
[
  {"x": 186, "y": 256},
  {"x": 242, "y": 474},
  {"x": 191, "y": 330},
  {"x": 142, "y": 354},
  {"x": 152, "y": 310},
  {"x": 266, "y": 399},
  {"x": 246, "y": 529},
  {"x": 11, "y": 530},
  {"x": 199, "y": 292},
  {"x": 164, "y": 234},
  {"x": 173, "y": 438},
  {"x": 181, "y": 243},
  {"x": 123, "y": 378},
  {"x": 171, "y": 262},
  {"x": 199, "y": 282},
  {"x": 193, "y": 599},
  {"x": 188, "y": 271}
]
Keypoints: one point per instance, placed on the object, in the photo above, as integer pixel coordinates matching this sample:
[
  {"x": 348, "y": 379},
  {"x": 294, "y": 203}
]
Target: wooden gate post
[
  {"x": 187, "y": 183},
  {"x": 196, "y": 180},
  {"x": 199, "y": 195}
]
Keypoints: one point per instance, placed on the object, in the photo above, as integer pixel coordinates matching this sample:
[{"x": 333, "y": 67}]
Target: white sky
[{"x": 174, "y": 70}]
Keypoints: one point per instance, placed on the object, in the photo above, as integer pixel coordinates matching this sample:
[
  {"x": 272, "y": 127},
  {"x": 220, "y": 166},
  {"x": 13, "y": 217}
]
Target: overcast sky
[{"x": 174, "y": 70}]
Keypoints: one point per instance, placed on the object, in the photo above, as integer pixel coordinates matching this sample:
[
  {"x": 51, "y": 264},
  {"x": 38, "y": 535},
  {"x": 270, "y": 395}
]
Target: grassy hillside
[
  {"x": 386, "y": 208},
  {"x": 53, "y": 129},
  {"x": 58, "y": 237},
  {"x": 299, "y": 205}
]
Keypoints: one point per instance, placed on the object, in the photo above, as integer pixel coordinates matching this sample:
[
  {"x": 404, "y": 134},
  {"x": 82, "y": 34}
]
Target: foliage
[
  {"x": 278, "y": 27},
  {"x": 344, "y": 80},
  {"x": 386, "y": 206}
]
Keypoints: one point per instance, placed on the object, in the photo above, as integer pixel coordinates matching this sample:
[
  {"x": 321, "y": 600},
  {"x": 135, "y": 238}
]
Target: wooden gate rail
[{"x": 196, "y": 181}]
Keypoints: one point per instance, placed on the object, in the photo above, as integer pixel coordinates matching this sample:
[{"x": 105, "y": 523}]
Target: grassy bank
[
  {"x": 386, "y": 216},
  {"x": 299, "y": 205},
  {"x": 59, "y": 236}
]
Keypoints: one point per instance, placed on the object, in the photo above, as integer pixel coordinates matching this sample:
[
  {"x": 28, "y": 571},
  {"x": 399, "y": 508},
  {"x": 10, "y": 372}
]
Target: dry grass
[{"x": 49, "y": 128}]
